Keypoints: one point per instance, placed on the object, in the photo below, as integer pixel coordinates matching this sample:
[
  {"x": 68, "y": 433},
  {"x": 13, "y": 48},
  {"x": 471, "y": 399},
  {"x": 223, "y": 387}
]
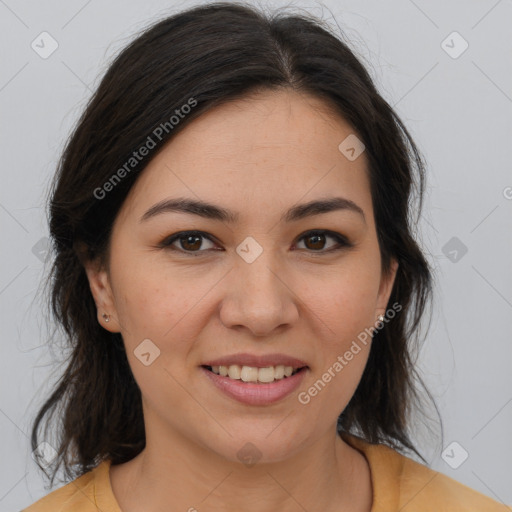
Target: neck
[{"x": 328, "y": 475}]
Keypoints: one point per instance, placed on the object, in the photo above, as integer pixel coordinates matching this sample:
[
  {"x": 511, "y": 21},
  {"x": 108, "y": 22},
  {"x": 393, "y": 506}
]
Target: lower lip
[{"x": 256, "y": 394}]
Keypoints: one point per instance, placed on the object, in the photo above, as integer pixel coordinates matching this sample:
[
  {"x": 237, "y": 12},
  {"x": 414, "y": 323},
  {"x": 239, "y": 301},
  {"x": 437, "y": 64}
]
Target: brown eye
[
  {"x": 188, "y": 242},
  {"x": 192, "y": 242},
  {"x": 315, "y": 241}
]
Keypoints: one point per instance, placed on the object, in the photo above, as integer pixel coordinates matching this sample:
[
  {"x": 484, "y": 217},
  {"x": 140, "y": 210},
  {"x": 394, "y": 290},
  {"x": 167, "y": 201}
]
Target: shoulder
[
  {"x": 80, "y": 495},
  {"x": 400, "y": 483},
  {"x": 422, "y": 489}
]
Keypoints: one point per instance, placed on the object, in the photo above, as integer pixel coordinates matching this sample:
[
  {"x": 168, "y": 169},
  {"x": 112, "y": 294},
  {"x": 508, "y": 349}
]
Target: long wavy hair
[{"x": 216, "y": 53}]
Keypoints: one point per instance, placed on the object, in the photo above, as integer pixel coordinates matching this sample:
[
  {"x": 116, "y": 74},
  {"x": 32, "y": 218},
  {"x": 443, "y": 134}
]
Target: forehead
[{"x": 265, "y": 151}]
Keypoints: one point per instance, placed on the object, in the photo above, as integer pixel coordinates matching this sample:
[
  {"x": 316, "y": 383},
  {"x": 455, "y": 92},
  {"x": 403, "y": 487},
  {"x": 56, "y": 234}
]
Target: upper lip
[{"x": 258, "y": 361}]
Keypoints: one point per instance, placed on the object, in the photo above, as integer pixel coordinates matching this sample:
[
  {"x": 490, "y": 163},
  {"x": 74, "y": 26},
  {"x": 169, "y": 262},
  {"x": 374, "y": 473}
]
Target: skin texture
[{"x": 257, "y": 156}]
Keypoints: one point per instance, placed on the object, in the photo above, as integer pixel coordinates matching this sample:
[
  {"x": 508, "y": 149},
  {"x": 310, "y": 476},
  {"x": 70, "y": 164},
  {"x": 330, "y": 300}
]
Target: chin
[{"x": 274, "y": 442}]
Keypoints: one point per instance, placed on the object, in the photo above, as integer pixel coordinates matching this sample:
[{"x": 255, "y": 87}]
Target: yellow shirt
[{"x": 399, "y": 484}]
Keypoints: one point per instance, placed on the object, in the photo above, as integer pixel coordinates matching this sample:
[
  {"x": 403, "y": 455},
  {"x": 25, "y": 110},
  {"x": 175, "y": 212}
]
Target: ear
[
  {"x": 101, "y": 289},
  {"x": 386, "y": 285}
]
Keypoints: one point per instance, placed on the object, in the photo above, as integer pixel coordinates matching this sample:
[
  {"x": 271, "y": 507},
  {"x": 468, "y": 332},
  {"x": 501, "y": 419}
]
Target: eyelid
[
  {"x": 169, "y": 240},
  {"x": 342, "y": 240}
]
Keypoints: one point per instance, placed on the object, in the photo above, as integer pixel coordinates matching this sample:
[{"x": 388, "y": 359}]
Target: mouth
[
  {"x": 255, "y": 385},
  {"x": 255, "y": 374}
]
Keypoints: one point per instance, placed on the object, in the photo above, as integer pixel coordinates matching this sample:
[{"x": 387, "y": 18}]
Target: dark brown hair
[{"x": 213, "y": 54}]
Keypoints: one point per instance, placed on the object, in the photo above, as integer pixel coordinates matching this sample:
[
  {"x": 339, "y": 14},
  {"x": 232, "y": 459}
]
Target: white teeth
[
  {"x": 266, "y": 374},
  {"x": 249, "y": 374},
  {"x": 254, "y": 374},
  {"x": 234, "y": 372},
  {"x": 279, "y": 372}
]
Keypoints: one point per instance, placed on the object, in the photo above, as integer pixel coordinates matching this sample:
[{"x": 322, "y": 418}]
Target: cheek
[
  {"x": 164, "y": 305},
  {"x": 343, "y": 307},
  {"x": 344, "y": 299},
  {"x": 150, "y": 308},
  {"x": 146, "y": 305}
]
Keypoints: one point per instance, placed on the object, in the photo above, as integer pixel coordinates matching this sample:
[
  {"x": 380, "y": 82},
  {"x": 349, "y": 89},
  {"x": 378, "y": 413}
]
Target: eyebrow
[{"x": 211, "y": 211}]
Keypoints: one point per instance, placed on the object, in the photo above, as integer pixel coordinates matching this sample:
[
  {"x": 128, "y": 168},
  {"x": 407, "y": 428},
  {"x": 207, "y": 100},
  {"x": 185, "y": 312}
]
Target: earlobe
[{"x": 99, "y": 284}]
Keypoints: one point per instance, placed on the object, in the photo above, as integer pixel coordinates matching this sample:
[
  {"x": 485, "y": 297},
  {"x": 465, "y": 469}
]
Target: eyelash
[{"x": 343, "y": 242}]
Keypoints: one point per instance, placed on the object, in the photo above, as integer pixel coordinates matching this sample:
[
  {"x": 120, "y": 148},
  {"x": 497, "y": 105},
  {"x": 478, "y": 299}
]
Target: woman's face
[{"x": 256, "y": 281}]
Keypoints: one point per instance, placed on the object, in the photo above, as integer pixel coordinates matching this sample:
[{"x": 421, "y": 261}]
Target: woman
[{"x": 236, "y": 275}]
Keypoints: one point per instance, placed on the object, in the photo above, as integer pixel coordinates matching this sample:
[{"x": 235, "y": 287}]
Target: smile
[
  {"x": 255, "y": 392},
  {"x": 253, "y": 373}
]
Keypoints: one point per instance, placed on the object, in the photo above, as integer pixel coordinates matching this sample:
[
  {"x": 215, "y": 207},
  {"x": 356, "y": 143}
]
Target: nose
[{"x": 258, "y": 297}]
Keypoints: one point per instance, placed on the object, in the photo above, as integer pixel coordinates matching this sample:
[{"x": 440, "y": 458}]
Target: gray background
[{"x": 458, "y": 110}]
